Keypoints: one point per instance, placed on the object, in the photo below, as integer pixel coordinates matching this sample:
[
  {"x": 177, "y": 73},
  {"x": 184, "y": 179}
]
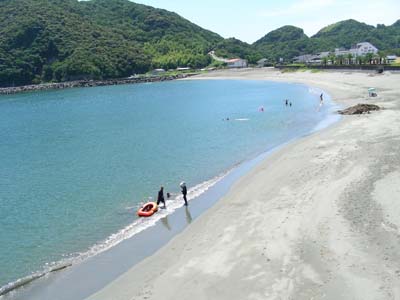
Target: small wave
[
  {"x": 129, "y": 231},
  {"x": 242, "y": 119},
  {"x": 20, "y": 282}
]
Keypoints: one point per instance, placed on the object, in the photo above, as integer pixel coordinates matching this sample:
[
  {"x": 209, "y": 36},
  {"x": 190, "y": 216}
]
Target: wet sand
[{"x": 318, "y": 219}]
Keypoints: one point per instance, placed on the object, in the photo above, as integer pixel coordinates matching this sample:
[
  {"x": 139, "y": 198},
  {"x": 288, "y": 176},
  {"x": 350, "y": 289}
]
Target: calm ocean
[{"x": 76, "y": 164}]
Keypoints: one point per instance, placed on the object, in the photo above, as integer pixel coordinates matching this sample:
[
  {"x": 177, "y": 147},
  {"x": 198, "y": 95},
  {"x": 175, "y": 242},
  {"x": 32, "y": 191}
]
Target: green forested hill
[
  {"x": 42, "y": 40},
  {"x": 59, "y": 40}
]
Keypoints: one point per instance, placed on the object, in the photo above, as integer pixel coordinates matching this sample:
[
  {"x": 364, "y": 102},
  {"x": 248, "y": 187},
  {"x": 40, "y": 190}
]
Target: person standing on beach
[
  {"x": 184, "y": 191},
  {"x": 160, "y": 197}
]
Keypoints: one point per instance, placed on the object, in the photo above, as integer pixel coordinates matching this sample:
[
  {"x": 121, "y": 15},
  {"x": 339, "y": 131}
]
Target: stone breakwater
[{"x": 89, "y": 83}]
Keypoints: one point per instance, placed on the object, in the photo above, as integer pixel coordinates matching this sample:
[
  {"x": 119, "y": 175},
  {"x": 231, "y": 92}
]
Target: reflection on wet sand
[
  {"x": 188, "y": 215},
  {"x": 165, "y": 222}
]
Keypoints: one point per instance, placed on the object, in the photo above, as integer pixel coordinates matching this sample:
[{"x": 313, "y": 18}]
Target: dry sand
[{"x": 319, "y": 219}]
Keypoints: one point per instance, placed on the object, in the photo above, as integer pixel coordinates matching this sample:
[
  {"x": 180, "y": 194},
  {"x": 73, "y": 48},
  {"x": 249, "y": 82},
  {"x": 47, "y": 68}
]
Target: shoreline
[
  {"x": 10, "y": 90},
  {"x": 304, "y": 234}
]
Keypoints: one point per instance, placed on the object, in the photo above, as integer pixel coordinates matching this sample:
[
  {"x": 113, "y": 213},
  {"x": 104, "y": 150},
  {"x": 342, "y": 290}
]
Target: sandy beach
[{"x": 318, "y": 219}]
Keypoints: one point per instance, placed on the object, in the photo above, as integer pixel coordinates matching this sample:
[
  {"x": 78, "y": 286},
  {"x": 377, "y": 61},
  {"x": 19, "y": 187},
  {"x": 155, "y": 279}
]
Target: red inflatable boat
[{"x": 147, "y": 209}]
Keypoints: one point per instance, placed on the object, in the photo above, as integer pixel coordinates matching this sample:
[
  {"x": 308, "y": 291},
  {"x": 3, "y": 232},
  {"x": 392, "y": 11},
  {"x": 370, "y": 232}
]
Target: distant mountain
[
  {"x": 60, "y": 40},
  {"x": 347, "y": 27},
  {"x": 290, "y": 41},
  {"x": 282, "y": 35},
  {"x": 346, "y": 33},
  {"x": 396, "y": 24},
  {"x": 285, "y": 42}
]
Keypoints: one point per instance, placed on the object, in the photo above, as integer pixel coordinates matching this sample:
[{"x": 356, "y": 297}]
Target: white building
[
  {"x": 364, "y": 48},
  {"x": 237, "y": 63},
  {"x": 358, "y": 50}
]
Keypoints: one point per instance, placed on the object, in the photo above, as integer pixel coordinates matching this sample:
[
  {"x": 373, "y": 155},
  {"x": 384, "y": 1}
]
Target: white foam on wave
[
  {"x": 242, "y": 119},
  {"x": 127, "y": 232}
]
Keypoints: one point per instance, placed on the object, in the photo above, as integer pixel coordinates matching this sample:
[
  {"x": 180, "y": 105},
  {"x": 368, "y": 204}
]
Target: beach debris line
[{"x": 359, "y": 109}]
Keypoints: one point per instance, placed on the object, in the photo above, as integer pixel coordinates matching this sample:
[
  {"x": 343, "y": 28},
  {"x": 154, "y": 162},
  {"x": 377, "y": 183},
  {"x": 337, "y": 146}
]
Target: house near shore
[
  {"x": 391, "y": 59},
  {"x": 311, "y": 58},
  {"x": 262, "y": 63},
  {"x": 359, "y": 49},
  {"x": 237, "y": 63},
  {"x": 305, "y": 59},
  {"x": 157, "y": 71}
]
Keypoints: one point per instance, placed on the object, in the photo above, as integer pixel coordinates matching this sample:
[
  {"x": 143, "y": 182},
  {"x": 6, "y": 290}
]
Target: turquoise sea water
[{"x": 76, "y": 164}]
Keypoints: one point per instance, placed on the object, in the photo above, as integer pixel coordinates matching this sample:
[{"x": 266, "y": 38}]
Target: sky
[{"x": 249, "y": 20}]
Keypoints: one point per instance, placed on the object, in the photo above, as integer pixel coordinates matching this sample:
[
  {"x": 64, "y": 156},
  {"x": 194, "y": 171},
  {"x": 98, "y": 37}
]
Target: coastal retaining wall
[{"x": 89, "y": 83}]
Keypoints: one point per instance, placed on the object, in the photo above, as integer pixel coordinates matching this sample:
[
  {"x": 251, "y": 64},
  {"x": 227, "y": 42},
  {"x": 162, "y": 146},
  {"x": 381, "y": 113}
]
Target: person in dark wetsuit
[
  {"x": 160, "y": 197},
  {"x": 184, "y": 192}
]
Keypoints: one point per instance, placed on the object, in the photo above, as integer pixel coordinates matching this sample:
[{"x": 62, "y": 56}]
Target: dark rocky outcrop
[{"x": 359, "y": 109}]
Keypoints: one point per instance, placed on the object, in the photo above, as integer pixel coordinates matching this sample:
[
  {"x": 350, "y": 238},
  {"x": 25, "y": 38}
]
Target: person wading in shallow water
[
  {"x": 184, "y": 191},
  {"x": 160, "y": 197}
]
